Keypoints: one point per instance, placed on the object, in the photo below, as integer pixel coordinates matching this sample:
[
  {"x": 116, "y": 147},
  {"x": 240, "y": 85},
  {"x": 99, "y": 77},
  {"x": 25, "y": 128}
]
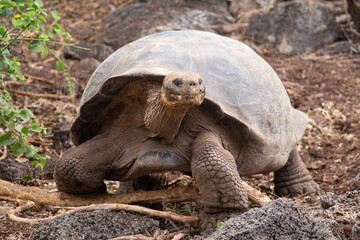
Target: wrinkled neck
[{"x": 163, "y": 120}]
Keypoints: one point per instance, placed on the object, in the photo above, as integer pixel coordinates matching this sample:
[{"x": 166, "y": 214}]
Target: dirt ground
[{"x": 324, "y": 84}]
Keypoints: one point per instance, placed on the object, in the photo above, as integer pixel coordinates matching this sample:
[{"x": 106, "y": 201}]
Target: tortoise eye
[{"x": 177, "y": 82}]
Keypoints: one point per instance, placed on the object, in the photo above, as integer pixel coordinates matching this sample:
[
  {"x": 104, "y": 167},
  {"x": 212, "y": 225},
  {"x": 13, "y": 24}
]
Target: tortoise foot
[
  {"x": 294, "y": 179},
  {"x": 309, "y": 187}
]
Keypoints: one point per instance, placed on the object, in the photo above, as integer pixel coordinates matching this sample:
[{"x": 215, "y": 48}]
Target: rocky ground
[{"x": 323, "y": 82}]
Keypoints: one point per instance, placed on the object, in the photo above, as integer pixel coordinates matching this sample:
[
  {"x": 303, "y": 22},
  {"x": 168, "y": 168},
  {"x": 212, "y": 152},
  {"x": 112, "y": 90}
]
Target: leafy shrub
[{"x": 24, "y": 16}]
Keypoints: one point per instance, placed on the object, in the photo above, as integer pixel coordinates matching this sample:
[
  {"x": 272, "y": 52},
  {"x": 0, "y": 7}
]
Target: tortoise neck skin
[{"x": 167, "y": 107}]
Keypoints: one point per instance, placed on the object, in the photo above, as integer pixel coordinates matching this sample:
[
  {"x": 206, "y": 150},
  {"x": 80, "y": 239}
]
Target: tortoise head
[
  {"x": 167, "y": 108},
  {"x": 183, "y": 89}
]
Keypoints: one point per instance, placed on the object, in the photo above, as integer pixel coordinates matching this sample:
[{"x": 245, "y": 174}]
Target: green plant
[
  {"x": 219, "y": 224},
  {"x": 27, "y": 25}
]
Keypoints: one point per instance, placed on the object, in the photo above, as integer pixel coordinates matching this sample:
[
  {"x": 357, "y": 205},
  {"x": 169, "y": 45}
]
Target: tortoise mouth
[
  {"x": 185, "y": 88},
  {"x": 180, "y": 99}
]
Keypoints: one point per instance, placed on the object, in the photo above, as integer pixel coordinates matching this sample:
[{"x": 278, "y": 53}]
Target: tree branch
[{"x": 176, "y": 194}]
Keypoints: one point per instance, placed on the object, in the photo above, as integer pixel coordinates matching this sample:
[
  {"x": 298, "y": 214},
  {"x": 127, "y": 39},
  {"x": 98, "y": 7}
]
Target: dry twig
[
  {"x": 176, "y": 194},
  {"x": 133, "y": 237},
  {"x": 114, "y": 206},
  {"x": 20, "y": 209},
  {"x": 41, "y": 95},
  {"x": 43, "y": 197},
  {"x": 41, "y": 79},
  {"x": 4, "y": 154}
]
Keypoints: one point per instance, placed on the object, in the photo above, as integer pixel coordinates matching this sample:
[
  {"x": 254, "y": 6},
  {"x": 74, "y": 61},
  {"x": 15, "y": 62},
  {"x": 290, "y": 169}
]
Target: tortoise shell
[{"x": 242, "y": 90}]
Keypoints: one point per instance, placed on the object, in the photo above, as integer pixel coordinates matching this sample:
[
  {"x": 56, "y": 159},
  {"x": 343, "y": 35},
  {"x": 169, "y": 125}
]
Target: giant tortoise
[{"x": 146, "y": 109}]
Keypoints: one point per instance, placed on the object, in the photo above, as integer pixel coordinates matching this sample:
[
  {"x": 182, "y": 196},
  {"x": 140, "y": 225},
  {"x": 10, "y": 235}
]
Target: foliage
[
  {"x": 181, "y": 209},
  {"x": 219, "y": 224},
  {"x": 26, "y": 24}
]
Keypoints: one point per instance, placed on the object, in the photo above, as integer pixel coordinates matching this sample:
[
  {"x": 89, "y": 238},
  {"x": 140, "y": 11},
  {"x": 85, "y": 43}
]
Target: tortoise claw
[{"x": 309, "y": 187}]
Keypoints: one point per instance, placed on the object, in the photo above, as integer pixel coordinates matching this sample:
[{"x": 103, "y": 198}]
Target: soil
[{"x": 324, "y": 84}]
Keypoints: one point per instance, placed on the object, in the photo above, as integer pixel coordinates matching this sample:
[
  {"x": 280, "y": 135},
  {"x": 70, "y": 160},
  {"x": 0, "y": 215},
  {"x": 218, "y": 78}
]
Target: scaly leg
[
  {"x": 217, "y": 178},
  {"x": 294, "y": 179},
  {"x": 82, "y": 169}
]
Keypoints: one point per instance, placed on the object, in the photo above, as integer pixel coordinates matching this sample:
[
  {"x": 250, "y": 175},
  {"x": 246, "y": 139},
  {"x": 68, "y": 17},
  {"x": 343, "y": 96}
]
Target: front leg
[
  {"x": 82, "y": 169},
  {"x": 217, "y": 178},
  {"x": 294, "y": 179}
]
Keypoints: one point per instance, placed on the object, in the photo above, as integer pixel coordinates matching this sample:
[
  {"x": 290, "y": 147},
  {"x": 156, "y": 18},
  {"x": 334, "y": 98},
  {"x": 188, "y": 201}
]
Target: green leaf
[
  {"x": 56, "y": 26},
  {"x": 7, "y": 3},
  {"x": 219, "y": 224},
  {"x": 19, "y": 127},
  {"x": 18, "y": 148},
  {"x": 34, "y": 46},
  {"x": 26, "y": 115},
  {"x": 43, "y": 161},
  {"x": 55, "y": 15},
  {"x": 19, "y": 1},
  {"x": 43, "y": 50},
  {"x": 2, "y": 28},
  {"x": 60, "y": 65},
  {"x": 25, "y": 130},
  {"x": 42, "y": 18},
  {"x": 6, "y": 53},
  {"x": 21, "y": 160},
  {"x": 30, "y": 151},
  {"x": 2, "y": 64},
  {"x": 26, "y": 178},
  {"x": 17, "y": 22},
  {"x": 6, "y": 140},
  {"x": 38, "y": 4},
  {"x": 37, "y": 128},
  {"x": 2, "y": 101}
]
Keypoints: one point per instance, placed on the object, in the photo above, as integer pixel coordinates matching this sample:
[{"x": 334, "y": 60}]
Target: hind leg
[{"x": 294, "y": 179}]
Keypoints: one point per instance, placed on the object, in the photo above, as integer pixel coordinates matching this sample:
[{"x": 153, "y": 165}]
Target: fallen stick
[
  {"x": 41, "y": 95},
  {"x": 133, "y": 237},
  {"x": 43, "y": 197},
  {"x": 22, "y": 208},
  {"x": 4, "y": 154},
  {"x": 41, "y": 79},
  {"x": 107, "y": 206},
  {"x": 176, "y": 194}
]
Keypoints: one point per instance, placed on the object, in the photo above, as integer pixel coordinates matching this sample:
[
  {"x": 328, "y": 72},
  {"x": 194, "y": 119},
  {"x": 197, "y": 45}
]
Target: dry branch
[
  {"x": 111, "y": 206},
  {"x": 133, "y": 237},
  {"x": 41, "y": 95},
  {"x": 4, "y": 153},
  {"x": 22, "y": 208},
  {"x": 43, "y": 197},
  {"x": 176, "y": 194},
  {"x": 41, "y": 79}
]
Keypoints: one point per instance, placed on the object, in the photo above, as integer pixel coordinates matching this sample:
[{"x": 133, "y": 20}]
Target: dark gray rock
[
  {"x": 97, "y": 51},
  {"x": 139, "y": 19},
  {"x": 61, "y": 139},
  {"x": 328, "y": 200},
  {"x": 355, "y": 182},
  {"x": 13, "y": 171},
  {"x": 83, "y": 69},
  {"x": 99, "y": 224},
  {"x": 355, "y": 232},
  {"x": 279, "y": 219},
  {"x": 295, "y": 26},
  {"x": 328, "y": 229}
]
